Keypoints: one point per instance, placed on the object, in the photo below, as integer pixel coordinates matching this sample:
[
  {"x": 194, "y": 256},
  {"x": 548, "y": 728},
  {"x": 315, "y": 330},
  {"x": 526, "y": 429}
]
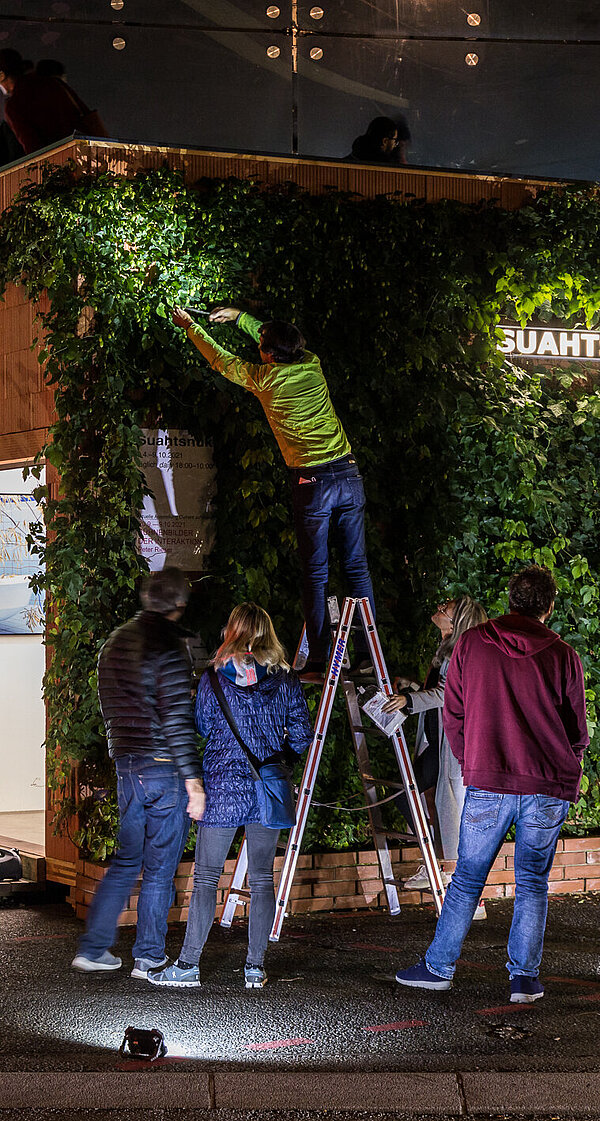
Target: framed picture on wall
[{"x": 21, "y": 609}]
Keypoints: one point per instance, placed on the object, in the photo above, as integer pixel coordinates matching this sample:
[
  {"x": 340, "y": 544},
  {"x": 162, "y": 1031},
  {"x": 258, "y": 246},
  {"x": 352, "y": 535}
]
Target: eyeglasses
[{"x": 442, "y": 610}]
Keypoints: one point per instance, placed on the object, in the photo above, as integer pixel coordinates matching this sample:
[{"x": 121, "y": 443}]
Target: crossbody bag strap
[{"x": 227, "y": 713}]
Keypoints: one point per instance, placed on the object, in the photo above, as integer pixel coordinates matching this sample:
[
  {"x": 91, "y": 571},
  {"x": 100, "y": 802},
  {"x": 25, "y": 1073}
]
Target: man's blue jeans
[
  {"x": 153, "y": 830},
  {"x": 332, "y": 496},
  {"x": 486, "y": 818}
]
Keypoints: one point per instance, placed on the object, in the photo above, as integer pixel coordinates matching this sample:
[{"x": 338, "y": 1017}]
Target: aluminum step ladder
[{"x": 236, "y": 894}]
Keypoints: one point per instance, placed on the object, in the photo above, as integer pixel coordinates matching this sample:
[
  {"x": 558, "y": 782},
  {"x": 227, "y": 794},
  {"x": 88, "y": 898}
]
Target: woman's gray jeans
[{"x": 212, "y": 846}]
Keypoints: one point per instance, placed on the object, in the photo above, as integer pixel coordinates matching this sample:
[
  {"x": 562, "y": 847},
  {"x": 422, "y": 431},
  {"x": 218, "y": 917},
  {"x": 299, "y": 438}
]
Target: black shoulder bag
[{"x": 272, "y": 779}]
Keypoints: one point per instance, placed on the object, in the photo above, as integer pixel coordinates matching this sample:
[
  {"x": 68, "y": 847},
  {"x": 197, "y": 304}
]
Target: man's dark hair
[
  {"x": 283, "y": 341},
  {"x": 11, "y": 63},
  {"x": 532, "y": 591},
  {"x": 381, "y": 128},
  {"x": 165, "y": 591}
]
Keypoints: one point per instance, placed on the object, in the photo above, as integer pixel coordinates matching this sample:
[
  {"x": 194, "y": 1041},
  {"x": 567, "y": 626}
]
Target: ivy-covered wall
[{"x": 473, "y": 467}]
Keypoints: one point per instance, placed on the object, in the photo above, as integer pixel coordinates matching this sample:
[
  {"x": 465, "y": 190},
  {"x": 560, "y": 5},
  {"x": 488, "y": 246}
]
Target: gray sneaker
[
  {"x": 174, "y": 977},
  {"x": 142, "y": 965},
  {"x": 254, "y": 976},
  {"x": 105, "y": 963}
]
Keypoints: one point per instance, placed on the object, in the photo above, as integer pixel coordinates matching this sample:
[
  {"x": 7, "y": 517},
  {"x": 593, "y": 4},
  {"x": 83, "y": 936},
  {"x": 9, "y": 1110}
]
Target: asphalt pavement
[{"x": 331, "y": 1031}]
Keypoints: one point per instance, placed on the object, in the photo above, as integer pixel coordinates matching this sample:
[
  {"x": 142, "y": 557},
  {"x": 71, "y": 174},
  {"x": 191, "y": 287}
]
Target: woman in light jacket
[
  {"x": 437, "y": 771},
  {"x": 267, "y": 704}
]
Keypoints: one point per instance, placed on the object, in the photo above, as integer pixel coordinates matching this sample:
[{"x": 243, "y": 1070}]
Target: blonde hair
[
  {"x": 249, "y": 629},
  {"x": 467, "y": 613}
]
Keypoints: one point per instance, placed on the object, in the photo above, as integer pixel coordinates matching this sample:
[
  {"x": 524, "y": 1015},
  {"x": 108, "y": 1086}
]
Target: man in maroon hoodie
[{"x": 514, "y": 715}]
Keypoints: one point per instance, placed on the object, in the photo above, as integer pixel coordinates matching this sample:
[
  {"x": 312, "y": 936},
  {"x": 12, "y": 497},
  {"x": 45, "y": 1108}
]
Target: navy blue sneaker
[
  {"x": 524, "y": 990},
  {"x": 420, "y": 977}
]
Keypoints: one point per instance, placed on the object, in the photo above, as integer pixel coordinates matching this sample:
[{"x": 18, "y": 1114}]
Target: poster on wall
[
  {"x": 177, "y": 520},
  {"x": 21, "y": 609}
]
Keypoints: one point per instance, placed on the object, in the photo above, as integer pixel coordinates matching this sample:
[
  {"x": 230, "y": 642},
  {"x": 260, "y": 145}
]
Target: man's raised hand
[
  {"x": 181, "y": 318},
  {"x": 224, "y": 314}
]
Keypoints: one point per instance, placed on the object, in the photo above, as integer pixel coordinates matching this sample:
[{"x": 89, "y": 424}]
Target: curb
[{"x": 465, "y": 1094}]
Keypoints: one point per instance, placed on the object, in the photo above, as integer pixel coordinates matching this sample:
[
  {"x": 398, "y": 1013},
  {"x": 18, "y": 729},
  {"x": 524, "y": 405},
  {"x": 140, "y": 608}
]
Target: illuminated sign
[
  {"x": 177, "y": 520},
  {"x": 550, "y": 342}
]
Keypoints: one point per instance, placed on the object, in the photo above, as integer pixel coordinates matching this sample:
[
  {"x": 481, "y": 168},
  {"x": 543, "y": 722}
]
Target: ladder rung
[
  {"x": 240, "y": 892},
  {"x": 392, "y": 835},
  {"x": 370, "y": 728},
  {"x": 382, "y": 781}
]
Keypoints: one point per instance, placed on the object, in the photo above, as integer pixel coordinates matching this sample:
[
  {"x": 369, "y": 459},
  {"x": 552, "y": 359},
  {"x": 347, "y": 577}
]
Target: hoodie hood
[
  {"x": 243, "y": 671},
  {"x": 517, "y": 636}
]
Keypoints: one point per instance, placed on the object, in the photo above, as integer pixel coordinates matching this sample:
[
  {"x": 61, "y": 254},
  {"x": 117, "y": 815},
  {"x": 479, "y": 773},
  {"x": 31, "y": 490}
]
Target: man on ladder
[{"x": 326, "y": 483}]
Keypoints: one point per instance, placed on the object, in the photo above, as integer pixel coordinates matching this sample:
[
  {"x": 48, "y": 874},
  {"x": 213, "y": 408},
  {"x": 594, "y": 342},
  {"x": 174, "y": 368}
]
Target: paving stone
[{"x": 432, "y": 1093}]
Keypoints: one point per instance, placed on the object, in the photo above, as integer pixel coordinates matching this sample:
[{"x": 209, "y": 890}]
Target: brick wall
[{"x": 350, "y": 880}]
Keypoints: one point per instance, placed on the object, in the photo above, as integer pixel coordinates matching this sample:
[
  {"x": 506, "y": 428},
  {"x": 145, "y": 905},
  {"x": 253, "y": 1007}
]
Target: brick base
[{"x": 350, "y": 880}]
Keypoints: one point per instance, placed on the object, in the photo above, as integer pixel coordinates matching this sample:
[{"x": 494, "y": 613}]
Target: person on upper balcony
[
  {"x": 40, "y": 108},
  {"x": 385, "y": 141}
]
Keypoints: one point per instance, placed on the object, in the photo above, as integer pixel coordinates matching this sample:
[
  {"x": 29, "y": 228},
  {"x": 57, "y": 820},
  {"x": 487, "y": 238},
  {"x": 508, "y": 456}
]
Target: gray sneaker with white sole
[
  {"x": 106, "y": 963},
  {"x": 142, "y": 965}
]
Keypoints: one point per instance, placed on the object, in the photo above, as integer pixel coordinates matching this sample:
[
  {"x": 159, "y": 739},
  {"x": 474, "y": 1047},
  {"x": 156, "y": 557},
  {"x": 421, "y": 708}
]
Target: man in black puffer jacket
[{"x": 144, "y": 687}]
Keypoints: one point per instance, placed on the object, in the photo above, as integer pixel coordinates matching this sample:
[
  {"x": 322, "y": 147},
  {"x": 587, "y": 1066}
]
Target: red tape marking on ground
[
  {"x": 591, "y": 996},
  {"x": 370, "y": 946},
  {"x": 37, "y": 937},
  {"x": 478, "y": 965},
  {"x": 399, "y": 1026},
  {"x": 276, "y": 1043},
  {"x": 504, "y": 1008},
  {"x": 575, "y": 981},
  {"x": 146, "y": 1064}
]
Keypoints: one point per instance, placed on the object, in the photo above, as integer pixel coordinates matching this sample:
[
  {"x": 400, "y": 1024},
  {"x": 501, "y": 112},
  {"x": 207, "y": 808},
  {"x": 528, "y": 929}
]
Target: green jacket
[{"x": 294, "y": 396}]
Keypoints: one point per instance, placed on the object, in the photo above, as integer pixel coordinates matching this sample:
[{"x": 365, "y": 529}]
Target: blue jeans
[
  {"x": 152, "y": 833},
  {"x": 486, "y": 818},
  {"x": 333, "y": 495}
]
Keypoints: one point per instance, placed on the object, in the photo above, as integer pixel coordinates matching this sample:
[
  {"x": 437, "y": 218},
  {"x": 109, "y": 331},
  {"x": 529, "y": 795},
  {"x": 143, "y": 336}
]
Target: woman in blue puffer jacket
[{"x": 267, "y": 703}]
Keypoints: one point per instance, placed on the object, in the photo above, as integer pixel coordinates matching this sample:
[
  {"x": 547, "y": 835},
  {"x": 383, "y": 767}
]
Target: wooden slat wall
[
  {"x": 27, "y": 404},
  {"x": 315, "y": 176}
]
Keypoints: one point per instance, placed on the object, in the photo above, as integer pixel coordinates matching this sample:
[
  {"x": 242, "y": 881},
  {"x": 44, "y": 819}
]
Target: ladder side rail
[
  {"x": 370, "y": 791},
  {"x": 423, "y": 832},
  {"x": 311, "y": 768},
  {"x": 232, "y": 898}
]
